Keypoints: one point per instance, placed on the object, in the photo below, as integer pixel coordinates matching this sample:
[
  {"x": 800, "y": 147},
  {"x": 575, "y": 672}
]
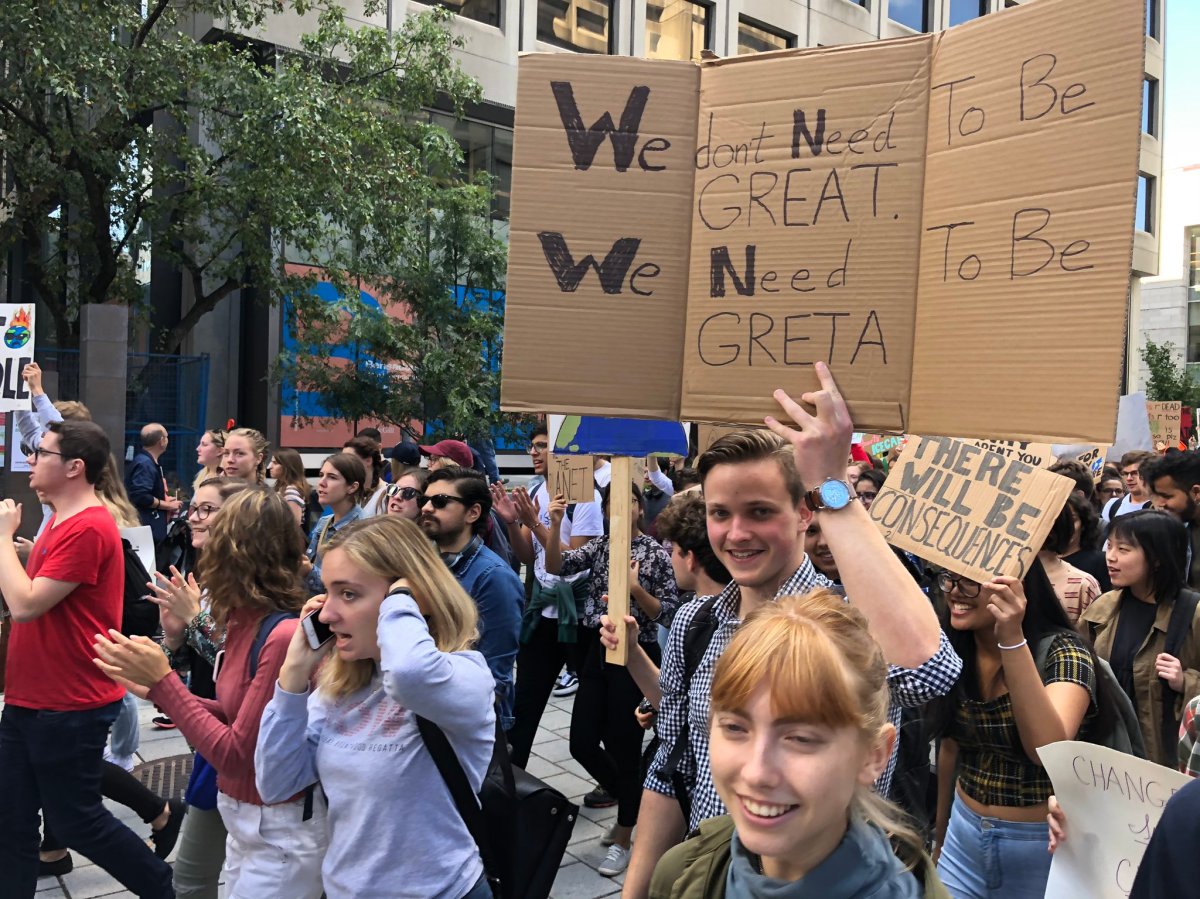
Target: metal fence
[{"x": 170, "y": 390}]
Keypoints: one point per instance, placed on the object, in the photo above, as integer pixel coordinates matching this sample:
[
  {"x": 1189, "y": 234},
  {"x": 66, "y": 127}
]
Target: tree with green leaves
[
  {"x": 130, "y": 129},
  {"x": 1169, "y": 379}
]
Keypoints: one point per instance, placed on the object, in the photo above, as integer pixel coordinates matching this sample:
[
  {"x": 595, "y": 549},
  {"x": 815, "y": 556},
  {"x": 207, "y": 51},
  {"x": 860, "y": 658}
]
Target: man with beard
[
  {"x": 454, "y": 514},
  {"x": 1174, "y": 481}
]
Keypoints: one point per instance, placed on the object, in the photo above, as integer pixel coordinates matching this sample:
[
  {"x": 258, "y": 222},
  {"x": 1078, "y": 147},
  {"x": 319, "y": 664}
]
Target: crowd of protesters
[{"x": 831, "y": 716}]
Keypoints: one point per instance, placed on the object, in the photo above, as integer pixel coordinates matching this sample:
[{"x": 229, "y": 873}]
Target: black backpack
[
  {"x": 139, "y": 615},
  {"x": 523, "y": 826}
]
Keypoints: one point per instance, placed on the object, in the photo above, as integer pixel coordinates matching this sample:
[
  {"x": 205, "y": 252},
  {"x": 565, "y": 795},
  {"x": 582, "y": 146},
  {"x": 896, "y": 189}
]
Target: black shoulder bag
[{"x": 523, "y": 826}]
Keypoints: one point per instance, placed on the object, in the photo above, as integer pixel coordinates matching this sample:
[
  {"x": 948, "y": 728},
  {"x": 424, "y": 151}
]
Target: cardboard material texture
[
  {"x": 927, "y": 214},
  {"x": 974, "y": 512},
  {"x": 620, "y": 516},
  {"x": 1165, "y": 421},
  {"x": 1113, "y": 803},
  {"x": 572, "y": 476},
  {"x": 707, "y": 434},
  {"x": 1039, "y": 455}
]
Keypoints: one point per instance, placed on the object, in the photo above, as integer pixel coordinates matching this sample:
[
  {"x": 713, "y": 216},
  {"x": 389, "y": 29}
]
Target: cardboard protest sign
[
  {"x": 926, "y": 222},
  {"x": 572, "y": 476},
  {"x": 710, "y": 434},
  {"x": 1165, "y": 420},
  {"x": 1093, "y": 458},
  {"x": 1113, "y": 803},
  {"x": 1039, "y": 455},
  {"x": 16, "y": 325},
  {"x": 974, "y": 512},
  {"x": 884, "y": 445},
  {"x": 575, "y": 434}
]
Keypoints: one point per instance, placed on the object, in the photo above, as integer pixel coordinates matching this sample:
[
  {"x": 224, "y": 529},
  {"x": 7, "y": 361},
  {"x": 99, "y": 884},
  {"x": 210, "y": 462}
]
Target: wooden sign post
[{"x": 620, "y": 514}]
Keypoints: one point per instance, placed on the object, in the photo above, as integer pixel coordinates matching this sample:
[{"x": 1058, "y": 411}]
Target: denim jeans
[
  {"x": 986, "y": 858},
  {"x": 481, "y": 890},
  {"x": 126, "y": 730},
  {"x": 52, "y": 761}
]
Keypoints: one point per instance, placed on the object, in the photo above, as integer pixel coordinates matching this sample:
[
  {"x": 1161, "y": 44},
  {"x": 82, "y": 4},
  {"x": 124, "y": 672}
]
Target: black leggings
[
  {"x": 603, "y": 714},
  {"x": 119, "y": 785},
  {"x": 538, "y": 663}
]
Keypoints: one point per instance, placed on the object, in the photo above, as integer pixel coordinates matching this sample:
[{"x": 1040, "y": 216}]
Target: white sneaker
[
  {"x": 615, "y": 862},
  {"x": 121, "y": 761}
]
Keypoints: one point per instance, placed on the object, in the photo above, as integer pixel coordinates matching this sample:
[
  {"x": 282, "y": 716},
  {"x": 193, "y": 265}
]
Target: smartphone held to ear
[{"x": 316, "y": 630}]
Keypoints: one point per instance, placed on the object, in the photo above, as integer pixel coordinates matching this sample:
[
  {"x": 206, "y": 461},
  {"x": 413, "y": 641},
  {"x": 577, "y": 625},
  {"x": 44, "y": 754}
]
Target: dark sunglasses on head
[
  {"x": 406, "y": 493},
  {"x": 440, "y": 500}
]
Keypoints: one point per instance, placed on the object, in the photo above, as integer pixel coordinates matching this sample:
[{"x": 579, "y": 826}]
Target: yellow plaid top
[{"x": 993, "y": 768}]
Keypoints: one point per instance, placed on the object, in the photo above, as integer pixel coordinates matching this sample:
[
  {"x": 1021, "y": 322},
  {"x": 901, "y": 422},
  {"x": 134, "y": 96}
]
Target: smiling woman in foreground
[{"x": 795, "y": 767}]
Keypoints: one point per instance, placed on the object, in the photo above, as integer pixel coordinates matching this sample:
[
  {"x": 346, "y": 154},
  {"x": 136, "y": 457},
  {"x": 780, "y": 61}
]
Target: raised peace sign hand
[{"x": 820, "y": 442}]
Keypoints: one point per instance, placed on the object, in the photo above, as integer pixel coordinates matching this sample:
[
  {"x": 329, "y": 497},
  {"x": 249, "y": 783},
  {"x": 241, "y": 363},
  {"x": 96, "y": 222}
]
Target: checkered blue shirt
[{"x": 683, "y": 702}]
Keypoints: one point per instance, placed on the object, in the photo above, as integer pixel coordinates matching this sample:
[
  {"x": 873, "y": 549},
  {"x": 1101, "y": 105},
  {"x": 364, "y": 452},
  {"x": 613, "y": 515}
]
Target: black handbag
[{"x": 524, "y": 825}]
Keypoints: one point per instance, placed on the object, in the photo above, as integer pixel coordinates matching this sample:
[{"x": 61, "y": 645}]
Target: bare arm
[
  {"x": 947, "y": 759},
  {"x": 660, "y": 826},
  {"x": 901, "y": 617}
]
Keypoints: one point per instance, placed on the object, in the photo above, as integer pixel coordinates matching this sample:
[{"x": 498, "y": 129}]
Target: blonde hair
[
  {"x": 110, "y": 490},
  {"x": 258, "y": 445},
  {"x": 394, "y": 548},
  {"x": 73, "y": 410},
  {"x": 822, "y": 666},
  {"x": 252, "y": 556}
]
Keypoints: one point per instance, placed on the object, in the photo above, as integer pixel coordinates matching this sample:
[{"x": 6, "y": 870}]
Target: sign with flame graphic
[{"x": 16, "y": 325}]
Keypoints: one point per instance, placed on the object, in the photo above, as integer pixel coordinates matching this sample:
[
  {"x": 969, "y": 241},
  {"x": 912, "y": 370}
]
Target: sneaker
[
  {"x": 164, "y": 839},
  {"x": 162, "y": 722},
  {"x": 598, "y": 798},
  {"x": 615, "y": 862},
  {"x": 121, "y": 761},
  {"x": 56, "y": 868},
  {"x": 566, "y": 685}
]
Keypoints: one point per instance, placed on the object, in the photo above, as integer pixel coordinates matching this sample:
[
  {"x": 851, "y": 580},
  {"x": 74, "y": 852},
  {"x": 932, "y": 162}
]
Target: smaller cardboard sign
[
  {"x": 1093, "y": 458},
  {"x": 1166, "y": 420},
  {"x": 881, "y": 447},
  {"x": 1113, "y": 803},
  {"x": 571, "y": 476},
  {"x": 1039, "y": 455},
  {"x": 974, "y": 512}
]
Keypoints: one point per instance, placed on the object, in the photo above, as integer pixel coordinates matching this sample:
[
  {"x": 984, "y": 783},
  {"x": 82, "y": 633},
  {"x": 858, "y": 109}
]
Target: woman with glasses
[
  {"x": 1110, "y": 488},
  {"x": 405, "y": 494},
  {"x": 191, "y": 640},
  {"x": 249, "y": 566},
  {"x": 869, "y": 483},
  {"x": 340, "y": 487},
  {"x": 991, "y": 821}
]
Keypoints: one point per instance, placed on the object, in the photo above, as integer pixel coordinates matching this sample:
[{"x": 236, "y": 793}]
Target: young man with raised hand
[{"x": 760, "y": 491}]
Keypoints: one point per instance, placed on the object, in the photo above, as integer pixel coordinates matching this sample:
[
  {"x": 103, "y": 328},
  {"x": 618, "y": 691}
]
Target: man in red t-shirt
[{"x": 58, "y": 706}]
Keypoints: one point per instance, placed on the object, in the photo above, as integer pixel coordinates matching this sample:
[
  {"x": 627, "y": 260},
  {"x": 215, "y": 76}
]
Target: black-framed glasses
[
  {"x": 395, "y": 491},
  {"x": 966, "y": 587},
  {"x": 37, "y": 452},
  {"x": 201, "y": 511},
  {"x": 539, "y": 447},
  {"x": 440, "y": 500}
]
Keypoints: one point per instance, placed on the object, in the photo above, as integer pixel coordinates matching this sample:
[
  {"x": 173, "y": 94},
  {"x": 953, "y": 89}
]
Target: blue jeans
[
  {"x": 481, "y": 890},
  {"x": 126, "y": 730},
  {"x": 986, "y": 858},
  {"x": 52, "y": 761}
]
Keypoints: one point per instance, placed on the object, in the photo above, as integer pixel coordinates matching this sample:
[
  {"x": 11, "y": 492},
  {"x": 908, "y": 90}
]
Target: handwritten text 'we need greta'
[{"x": 743, "y": 189}]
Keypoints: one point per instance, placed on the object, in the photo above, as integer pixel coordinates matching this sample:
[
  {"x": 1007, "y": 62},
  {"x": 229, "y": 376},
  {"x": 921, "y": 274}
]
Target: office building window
[
  {"x": 966, "y": 10},
  {"x": 486, "y": 148},
  {"x": 1150, "y": 107},
  {"x": 1144, "y": 216},
  {"x": 1152, "y": 18},
  {"x": 485, "y": 11},
  {"x": 755, "y": 37},
  {"x": 913, "y": 13},
  {"x": 677, "y": 29},
  {"x": 1193, "y": 294},
  {"x": 581, "y": 25}
]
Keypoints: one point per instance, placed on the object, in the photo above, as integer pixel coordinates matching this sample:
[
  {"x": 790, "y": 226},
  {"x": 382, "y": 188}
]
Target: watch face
[{"x": 835, "y": 494}]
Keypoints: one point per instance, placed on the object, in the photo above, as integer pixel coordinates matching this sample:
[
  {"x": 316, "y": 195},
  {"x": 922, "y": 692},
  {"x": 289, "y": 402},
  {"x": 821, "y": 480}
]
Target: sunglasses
[
  {"x": 394, "y": 491},
  {"x": 439, "y": 500}
]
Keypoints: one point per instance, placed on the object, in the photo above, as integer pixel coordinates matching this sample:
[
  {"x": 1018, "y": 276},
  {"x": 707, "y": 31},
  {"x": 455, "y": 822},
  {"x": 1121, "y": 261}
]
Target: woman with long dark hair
[
  {"x": 1027, "y": 680},
  {"x": 1129, "y": 625},
  {"x": 287, "y": 468}
]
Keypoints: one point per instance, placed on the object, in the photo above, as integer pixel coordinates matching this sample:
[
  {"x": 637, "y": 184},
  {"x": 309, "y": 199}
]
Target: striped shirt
[{"x": 689, "y": 702}]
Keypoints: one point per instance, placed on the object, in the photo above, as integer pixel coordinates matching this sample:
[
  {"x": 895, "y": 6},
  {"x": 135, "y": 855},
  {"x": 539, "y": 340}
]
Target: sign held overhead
[{"x": 925, "y": 214}]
